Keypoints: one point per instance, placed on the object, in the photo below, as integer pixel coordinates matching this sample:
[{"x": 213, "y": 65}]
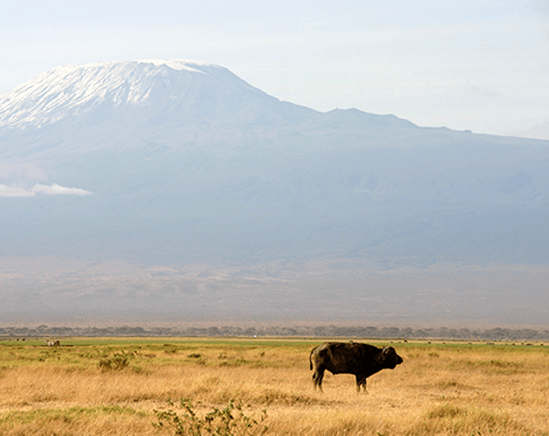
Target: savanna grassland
[{"x": 113, "y": 386}]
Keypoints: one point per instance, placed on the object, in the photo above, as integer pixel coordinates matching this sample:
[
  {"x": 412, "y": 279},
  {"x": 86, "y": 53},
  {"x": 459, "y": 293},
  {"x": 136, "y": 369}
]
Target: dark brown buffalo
[{"x": 361, "y": 360}]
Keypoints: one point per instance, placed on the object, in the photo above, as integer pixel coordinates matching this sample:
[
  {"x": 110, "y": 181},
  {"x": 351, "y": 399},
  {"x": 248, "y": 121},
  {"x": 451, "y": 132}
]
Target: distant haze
[{"x": 175, "y": 188}]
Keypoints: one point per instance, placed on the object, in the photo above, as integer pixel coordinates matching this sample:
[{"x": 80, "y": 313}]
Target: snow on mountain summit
[
  {"x": 176, "y": 103},
  {"x": 75, "y": 90}
]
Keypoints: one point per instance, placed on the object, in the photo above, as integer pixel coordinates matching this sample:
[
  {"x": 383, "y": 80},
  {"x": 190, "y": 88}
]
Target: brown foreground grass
[{"x": 440, "y": 389}]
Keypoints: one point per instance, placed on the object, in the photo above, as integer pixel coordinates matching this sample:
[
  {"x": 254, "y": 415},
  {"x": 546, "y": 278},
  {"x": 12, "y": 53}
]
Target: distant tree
[
  {"x": 407, "y": 332},
  {"x": 213, "y": 331},
  {"x": 389, "y": 332}
]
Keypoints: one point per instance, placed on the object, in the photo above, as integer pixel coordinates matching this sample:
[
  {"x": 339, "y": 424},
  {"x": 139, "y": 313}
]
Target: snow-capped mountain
[
  {"x": 83, "y": 107},
  {"x": 153, "y": 87},
  {"x": 183, "y": 160}
]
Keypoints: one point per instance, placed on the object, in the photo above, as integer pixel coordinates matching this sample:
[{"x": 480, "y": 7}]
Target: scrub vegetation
[
  {"x": 336, "y": 330},
  {"x": 147, "y": 386}
]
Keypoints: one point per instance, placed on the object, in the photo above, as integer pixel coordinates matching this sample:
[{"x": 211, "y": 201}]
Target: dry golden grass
[{"x": 440, "y": 389}]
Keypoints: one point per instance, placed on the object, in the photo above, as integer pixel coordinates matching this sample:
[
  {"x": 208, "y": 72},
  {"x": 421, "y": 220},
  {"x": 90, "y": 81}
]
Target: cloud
[
  {"x": 56, "y": 189},
  {"x": 53, "y": 189}
]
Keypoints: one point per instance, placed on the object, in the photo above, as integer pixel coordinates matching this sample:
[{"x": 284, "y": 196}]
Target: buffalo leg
[
  {"x": 317, "y": 378},
  {"x": 360, "y": 381}
]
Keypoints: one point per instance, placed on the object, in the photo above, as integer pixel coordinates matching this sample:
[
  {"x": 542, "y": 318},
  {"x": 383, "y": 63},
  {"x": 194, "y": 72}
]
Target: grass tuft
[{"x": 115, "y": 363}]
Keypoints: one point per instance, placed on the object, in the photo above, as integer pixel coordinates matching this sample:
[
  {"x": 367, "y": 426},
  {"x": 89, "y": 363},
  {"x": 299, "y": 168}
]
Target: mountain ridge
[
  {"x": 80, "y": 109},
  {"x": 77, "y": 89}
]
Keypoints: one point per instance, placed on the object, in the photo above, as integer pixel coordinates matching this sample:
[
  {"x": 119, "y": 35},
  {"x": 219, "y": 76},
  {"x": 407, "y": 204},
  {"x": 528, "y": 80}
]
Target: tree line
[{"x": 493, "y": 334}]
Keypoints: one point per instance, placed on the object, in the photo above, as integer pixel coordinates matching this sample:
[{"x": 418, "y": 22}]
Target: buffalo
[{"x": 361, "y": 360}]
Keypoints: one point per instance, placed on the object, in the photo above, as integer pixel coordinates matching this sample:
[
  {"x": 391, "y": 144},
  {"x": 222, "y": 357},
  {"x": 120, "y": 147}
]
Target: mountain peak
[{"x": 75, "y": 90}]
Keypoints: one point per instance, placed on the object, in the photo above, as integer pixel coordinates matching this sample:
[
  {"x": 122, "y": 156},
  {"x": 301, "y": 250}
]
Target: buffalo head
[{"x": 389, "y": 358}]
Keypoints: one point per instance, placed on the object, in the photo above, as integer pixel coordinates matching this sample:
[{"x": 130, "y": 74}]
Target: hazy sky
[{"x": 469, "y": 64}]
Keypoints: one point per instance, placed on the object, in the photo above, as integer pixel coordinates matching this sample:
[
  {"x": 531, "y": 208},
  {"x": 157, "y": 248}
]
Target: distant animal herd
[{"x": 52, "y": 343}]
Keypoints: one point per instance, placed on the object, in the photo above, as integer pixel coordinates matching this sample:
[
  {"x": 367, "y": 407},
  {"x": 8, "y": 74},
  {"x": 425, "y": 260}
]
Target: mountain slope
[{"x": 186, "y": 162}]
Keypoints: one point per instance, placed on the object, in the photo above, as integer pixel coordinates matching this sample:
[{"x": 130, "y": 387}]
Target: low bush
[
  {"x": 117, "y": 362},
  {"x": 230, "y": 421}
]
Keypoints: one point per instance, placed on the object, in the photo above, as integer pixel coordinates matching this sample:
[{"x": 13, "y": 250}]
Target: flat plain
[{"x": 112, "y": 386}]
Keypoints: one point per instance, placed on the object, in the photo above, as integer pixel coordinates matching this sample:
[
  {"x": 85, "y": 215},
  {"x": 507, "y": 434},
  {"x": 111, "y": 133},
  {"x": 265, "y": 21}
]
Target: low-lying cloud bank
[{"x": 53, "y": 189}]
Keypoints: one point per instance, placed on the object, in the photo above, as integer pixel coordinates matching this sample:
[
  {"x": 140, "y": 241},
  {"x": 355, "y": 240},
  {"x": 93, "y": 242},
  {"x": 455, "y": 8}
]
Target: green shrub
[
  {"x": 230, "y": 421},
  {"x": 117, "y": 362},
  {"x": 195, "y": 356}
]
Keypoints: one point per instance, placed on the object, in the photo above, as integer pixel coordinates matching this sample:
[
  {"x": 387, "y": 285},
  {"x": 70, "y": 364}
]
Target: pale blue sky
[{"x": 481, "y": 65}]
